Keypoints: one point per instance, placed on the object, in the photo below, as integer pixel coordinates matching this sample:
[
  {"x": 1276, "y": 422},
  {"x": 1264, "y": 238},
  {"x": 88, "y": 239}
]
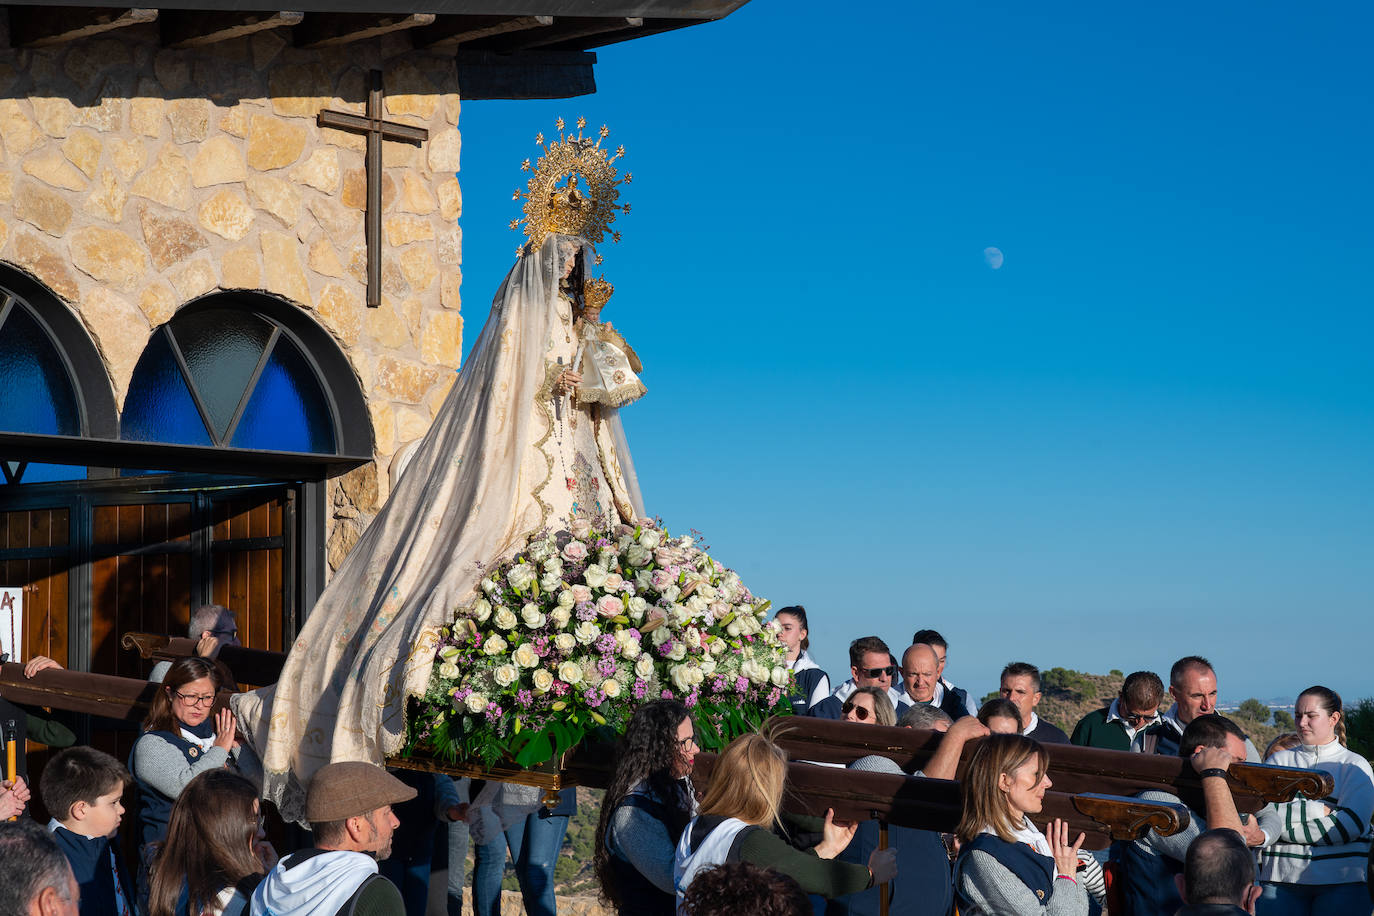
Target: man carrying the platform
[
  {"x": 1021, "y": 686},
  {"x": 1211, "y": 744},
  {"x": 937, "y": 642},
  {"x": 349, "y": 809},
  {"x": 1193, "y": 685},
  {"x": 921, "y": 680},
  {"x": 1121, "y": 726},
  {"x": 1218, "y": 877},
  {"x": 870, "y": 665}
]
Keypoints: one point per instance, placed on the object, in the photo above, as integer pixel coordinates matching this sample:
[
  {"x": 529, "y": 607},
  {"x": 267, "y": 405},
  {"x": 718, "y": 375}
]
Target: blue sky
[{"x": 1150, "y": 433}]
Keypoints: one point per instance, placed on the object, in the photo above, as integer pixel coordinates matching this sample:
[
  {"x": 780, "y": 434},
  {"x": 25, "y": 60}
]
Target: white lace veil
[{"x": 469, "y": 495}]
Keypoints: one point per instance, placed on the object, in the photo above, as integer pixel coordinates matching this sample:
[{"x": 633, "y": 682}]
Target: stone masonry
[{"x": 135, "y": 178}]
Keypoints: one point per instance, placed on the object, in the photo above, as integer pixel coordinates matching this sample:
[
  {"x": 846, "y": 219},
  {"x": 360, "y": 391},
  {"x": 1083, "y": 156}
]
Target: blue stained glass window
[
  {"x": 36, "y": 392},
  {"x": 221, "y": 348},
  {"x": 49, "y": 473},
  {"x": 288, "y": 410},
  {"x": 159, "y": 406}
]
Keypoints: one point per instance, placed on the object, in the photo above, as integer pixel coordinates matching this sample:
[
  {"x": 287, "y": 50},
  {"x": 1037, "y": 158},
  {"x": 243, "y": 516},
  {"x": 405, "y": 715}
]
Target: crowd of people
[{"x": 394, "y": 844}]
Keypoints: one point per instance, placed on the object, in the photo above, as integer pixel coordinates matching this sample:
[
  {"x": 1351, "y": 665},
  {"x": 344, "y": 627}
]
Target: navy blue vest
[
  {"x": 807, "y": 679},
  {"x": 1035, "y": 870},
  {"x": 637, "y": 893},
  {"x": 90, "y": 860},
  {"x": 155, "y": 809}
]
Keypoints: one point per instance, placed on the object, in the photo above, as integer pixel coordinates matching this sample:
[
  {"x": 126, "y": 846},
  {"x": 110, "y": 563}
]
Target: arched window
[
  {"x": 234, "y": 371},
  {"x": 52, "y": 382}
]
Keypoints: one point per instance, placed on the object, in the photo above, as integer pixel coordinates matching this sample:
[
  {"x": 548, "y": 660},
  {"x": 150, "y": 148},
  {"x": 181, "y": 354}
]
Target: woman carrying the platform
[
  {"x": 1320, "y": 849},
  {"x": 813, "y": 684},
  {"x": 180, "y": 741},
  {"x": 741, "y": 820},
  {"x": 1007, "y": 867},
  {"x": 216, "y": 851},
  {"x": 647, "y": 805}
]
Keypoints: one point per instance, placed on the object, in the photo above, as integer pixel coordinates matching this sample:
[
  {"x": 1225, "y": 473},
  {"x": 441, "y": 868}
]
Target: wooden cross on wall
[{"x": 376, "y": 130}]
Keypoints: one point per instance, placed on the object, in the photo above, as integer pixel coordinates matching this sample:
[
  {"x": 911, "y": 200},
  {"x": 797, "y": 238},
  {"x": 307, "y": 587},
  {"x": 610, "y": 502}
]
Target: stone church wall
[{"x": 136, "y": 178}]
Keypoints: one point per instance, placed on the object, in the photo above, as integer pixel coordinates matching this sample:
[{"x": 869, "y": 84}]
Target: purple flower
[
  {"x": 606, "y": 667},
  {"x": 524, "y": 698},
  {"x": 640, "y": 690},
  {"x": 606, "y": 644},
  {"x": 585, "y": 611},
  {"x": 594, "y": 697},
  {"x": 691, "y": 700},
  {"x": 667, "y": 694},
  {"x": 741, "y": 685}
]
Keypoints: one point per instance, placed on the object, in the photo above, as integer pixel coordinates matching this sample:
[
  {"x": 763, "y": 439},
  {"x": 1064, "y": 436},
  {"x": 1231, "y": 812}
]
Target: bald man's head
[{"x": 920, "y": 672}]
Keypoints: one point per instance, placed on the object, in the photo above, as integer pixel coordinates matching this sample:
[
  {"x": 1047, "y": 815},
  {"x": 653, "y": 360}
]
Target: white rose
[
  {"x": 708, "y": 666},
  {"x": 587, "y": 632},
  {"x": 580, "y": 527},
  {"x": 494, "y": 645},
  {"x": 614, "y": 582},
  {"x": 506, "y": 675},
  {"x": 638, "y": 556},
  {"x": 755, "y": 672},
  {"x": 481, "y": 610},
  {"x": 660, "y": 635},
  {"x": 692, "y": 637},
  {"x": 526, "y": 657},
  {"x": 677, "y": 653},
  {"x": 553, "y": 566},
  {"x": 490, "y": 585},
  {"x": 566, "y": 599},
  {"x": 610, "y": 687},
  {"x": 698, "y": 604},
  {"x": 539, "y": 552},
  {"x": 521, "y": 576},
  {"x": 608, "y": 557},
  {"x": 551, "y": 582},
  {"x": 560, "y": 616},
  {"x": 686, "y": 542},
  {"x": 644, "y": 666},
  {"x": 733, "y": 628},
  {"x": 581, "y": 594},
  {"x": 779, "y": 676},
  {"x": 505, "y": 618},
  {"x": 706, "y": 591},
  {"x": 565, "y": 642},
  {"x": 637, "y": 606},
  {"x": 645, "y": 578},
  {"x": 448, "y": 670},
  {"x": 684, "y": 677},
  {"x": 542, "y": 680},
  {"x": 650, "y": 539},
  {"x": 680, "y": 614},
  {"x": 476, "y": 703},
  {"x": 630, "y": 649},
  {"x": 717, "y": 646},
  {"x": 570, "y": 672},
  {"x": 595, "y": 575},
  {"x": 533, "y": 617},
  {"x": 671, "y": 592}
]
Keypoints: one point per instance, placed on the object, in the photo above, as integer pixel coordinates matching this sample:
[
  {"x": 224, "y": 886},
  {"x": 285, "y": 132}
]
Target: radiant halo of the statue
[{"x": 574, "y": 632}]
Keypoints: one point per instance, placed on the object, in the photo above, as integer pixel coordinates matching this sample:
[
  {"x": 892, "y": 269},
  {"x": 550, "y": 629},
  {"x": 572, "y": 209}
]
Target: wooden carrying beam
[
  {"x": 41, "y": 26},
  {"x": 321, "y": 30},
  {"x": 182, "y": 29},
  {"x": 258, "y": 667},
  {"x": 119, "y": 698},
  {"x": 1072, "y": 769}
]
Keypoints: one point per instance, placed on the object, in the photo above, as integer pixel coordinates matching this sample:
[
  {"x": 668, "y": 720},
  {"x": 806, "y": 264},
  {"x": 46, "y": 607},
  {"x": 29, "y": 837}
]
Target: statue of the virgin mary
[{"x": 529, "y": 438}]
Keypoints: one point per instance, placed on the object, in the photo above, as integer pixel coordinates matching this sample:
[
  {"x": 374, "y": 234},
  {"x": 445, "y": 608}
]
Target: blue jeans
[
  {"x": 1313, "y": 900},
  {"x": 534, "y": 844}
]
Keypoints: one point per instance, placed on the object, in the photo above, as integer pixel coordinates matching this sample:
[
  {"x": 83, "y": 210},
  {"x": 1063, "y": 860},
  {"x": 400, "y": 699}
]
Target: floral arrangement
[{"x": 573, "y": 632}]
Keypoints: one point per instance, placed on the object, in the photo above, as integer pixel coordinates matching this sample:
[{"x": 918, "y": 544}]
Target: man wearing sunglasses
[
  {"x": 870, "y": 665},
  {"x": 1121, "y": 726}
]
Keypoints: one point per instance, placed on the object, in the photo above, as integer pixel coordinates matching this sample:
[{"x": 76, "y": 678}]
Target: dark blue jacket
[
  {"x": 922, "y": 886},
  {"x": 95, "y": 861}
]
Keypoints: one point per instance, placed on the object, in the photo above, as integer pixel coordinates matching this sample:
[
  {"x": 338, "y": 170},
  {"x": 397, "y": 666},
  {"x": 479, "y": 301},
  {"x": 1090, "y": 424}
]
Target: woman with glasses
[
  {"x": 1006, "y": 866},
  {"x": 181, "y": 740},
  {"x": 216, "y": 850},
  {"x": 649, "y": 802},
  {"x": 869, "y": 706}
]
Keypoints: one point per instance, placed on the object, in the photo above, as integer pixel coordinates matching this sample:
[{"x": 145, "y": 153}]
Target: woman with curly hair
[
  {"x": 741, "y": 821},
  {"x": 215, "y": 852},
  {"x": 647, "y": 805}
]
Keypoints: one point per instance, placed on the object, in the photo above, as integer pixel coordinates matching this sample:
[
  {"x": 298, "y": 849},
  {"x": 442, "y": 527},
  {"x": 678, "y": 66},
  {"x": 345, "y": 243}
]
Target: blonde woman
[
  {"x": 869, "y": 706},
  {"x": 739, "y": 814},
  {"x": 1006, "y": 866}
]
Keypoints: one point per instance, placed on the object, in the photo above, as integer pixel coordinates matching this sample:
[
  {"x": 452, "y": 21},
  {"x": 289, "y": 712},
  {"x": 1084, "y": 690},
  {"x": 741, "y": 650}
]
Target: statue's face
[{"x": 569, "y": 264}]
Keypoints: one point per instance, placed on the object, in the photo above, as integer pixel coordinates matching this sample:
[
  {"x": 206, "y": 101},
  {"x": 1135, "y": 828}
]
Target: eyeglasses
[
  {"x": 1138, "y": 718},
  {"x": 890, "y": 670},
  {"x": 230, "y": 633},
  {"x": 689, "y": 741},
  {"x": 860, "y": 712},
  {"x": 191, "y": 699}
]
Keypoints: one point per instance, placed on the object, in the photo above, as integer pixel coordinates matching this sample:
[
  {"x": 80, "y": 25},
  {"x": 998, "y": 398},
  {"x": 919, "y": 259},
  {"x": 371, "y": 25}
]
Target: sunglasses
[
  {"x": 1137, "y": 718},
  {"x": 890, "y": 670},
  {"x": 860, "y": 712}
]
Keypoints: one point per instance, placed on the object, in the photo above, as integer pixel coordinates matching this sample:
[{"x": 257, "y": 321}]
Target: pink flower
[
  {"x": 662, "y": 579},
  {"x": 610, "y": 606},
  {"x": 581, "y": 594},
  {"x": 575, "y": 552}
]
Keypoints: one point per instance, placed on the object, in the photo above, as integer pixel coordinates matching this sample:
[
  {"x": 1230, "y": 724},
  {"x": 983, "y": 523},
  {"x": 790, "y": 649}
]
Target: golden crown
[
  {"x": 573, "y": 189},
  {"x": 595, "y": 293}
]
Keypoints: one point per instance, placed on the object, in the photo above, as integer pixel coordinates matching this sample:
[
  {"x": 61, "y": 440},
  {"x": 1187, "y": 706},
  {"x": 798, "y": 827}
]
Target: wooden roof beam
[
  {"x": 43, "y": 26},
  {"x": 182, "y": 29},
  {"x": 566, "y": 32},
  {"x": 332, "y": 30},
  {"x": 451, "y": 31}
]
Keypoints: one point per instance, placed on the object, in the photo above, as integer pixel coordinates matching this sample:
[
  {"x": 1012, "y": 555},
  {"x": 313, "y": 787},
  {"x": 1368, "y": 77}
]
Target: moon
[{"x": 993, "y": 256}]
